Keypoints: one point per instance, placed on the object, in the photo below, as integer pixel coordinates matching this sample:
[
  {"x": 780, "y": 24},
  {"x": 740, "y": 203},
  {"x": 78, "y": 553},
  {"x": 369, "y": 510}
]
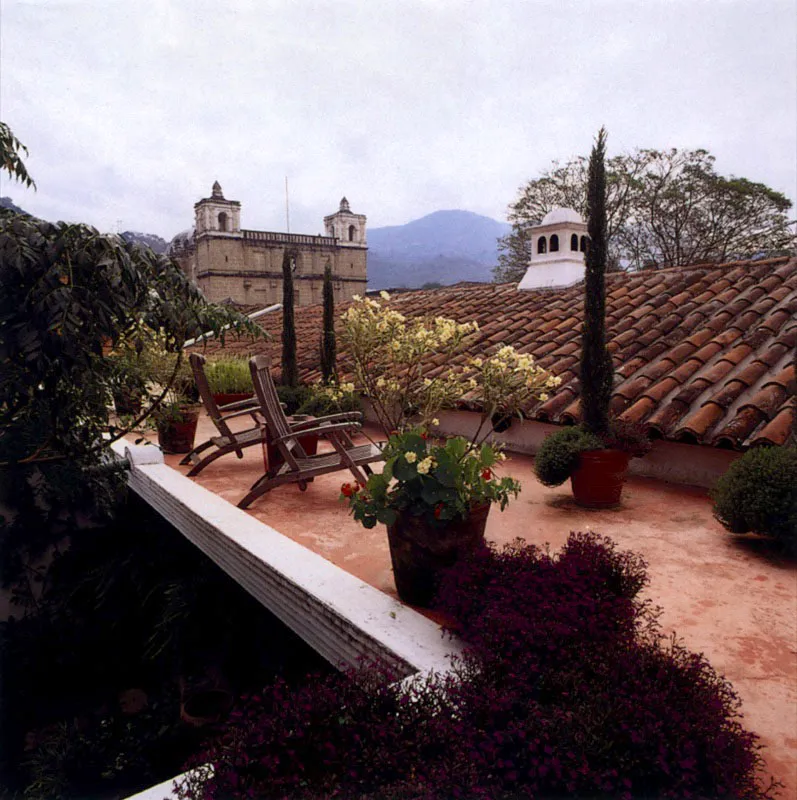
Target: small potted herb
[{"x": 229, "y": 379}]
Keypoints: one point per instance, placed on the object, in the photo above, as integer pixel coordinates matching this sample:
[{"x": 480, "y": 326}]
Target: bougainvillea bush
[{"x": 568, "y": 689}]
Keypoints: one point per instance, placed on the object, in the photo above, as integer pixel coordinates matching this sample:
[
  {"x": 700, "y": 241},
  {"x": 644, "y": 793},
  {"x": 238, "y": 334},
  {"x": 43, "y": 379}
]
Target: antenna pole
[{"x": 287, "y": 206}]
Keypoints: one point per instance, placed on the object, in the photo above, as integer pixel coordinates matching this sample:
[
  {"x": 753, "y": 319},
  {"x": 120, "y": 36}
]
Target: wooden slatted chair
[
  {"x": 296, "y": 466},
  {"x": 228, "y": 441}
]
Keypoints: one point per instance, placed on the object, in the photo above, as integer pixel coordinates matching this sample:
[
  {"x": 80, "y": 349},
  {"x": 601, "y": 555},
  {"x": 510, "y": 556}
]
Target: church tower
[
  {"x": 558, "y": 249},
  {"x": 217, "y": 215},
  {"x": 348, "y": 228}
]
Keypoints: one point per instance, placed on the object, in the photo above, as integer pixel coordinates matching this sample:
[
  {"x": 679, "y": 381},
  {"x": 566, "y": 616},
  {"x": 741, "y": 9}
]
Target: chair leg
[
  {"x": 187, "y": 459},
  {"x": 200, "y": 465}
]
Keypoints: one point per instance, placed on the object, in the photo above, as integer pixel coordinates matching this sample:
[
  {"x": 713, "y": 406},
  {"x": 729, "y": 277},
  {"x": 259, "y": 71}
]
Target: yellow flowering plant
[{"x": 399, "y": 365}]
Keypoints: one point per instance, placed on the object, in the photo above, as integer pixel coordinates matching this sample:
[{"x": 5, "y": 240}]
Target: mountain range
[{"x": 443, "y": 247}]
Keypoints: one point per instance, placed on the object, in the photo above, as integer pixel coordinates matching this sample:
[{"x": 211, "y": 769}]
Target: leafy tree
[
  {"x": 11, "y": 158},
  {"x": 596, "y": 361},
  {"x": 290, "y": 372},
  {"x": 67, "y": 294},
  {"x": 663, "y": 208},
  {"x": 328, "y": 341}
]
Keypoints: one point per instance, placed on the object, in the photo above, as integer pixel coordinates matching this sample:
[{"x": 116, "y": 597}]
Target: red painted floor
[{"x": 723, "y": 597}]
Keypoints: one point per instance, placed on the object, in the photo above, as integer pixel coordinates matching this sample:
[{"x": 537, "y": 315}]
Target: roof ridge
[{"x": 703, "y": 266}]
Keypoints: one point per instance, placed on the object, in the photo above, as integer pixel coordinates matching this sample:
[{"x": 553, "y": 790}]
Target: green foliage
[
  {"x": 596, "y": 361},
  {"x": 229, "y": 375},
  {"x": 68, "y": 295},
  {"x": 759, "y": 493},
  {"x": 294, "y": 397},
  {"x": 558, "y": 454},
  {"x": 290, "y": 372},
  {"x": 329, "y": 346},
  {"x": 664, "y": 208},
  {"x": 323, "y": 399},
  {"x": 10, "y": 158},
  {"x": 439, "y": 482}
]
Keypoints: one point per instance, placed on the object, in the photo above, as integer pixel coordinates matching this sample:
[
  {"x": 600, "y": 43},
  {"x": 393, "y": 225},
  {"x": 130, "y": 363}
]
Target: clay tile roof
[{"x": 701, "y": 354}]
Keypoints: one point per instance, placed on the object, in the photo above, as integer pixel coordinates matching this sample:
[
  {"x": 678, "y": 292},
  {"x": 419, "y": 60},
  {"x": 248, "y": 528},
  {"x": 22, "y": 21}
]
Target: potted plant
[
  {"x": 598, "y": 476},
  {"x": 596, "y": 465},
  {"x": 175, "y": 400},
  {"x": 229, "y": 379},
  {"x": 128, "y": 387},
  {"x": 434, "y": 497}
]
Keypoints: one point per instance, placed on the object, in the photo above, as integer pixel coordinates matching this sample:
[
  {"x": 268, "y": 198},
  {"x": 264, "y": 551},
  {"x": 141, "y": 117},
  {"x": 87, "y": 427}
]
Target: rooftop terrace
[{"x": 724, "y": 596}]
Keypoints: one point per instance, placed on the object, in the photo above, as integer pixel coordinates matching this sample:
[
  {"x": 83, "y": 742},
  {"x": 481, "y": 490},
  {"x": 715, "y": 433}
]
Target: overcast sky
[{"x": 131, "y": 109}]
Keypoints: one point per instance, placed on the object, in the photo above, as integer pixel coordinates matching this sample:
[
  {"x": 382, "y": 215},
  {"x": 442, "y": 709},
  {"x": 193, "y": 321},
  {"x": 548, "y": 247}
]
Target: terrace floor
[{"x": 724, "y": 596}]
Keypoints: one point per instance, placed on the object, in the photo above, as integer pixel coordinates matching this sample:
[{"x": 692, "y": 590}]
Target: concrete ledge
[{"x": 342, "y": 618}]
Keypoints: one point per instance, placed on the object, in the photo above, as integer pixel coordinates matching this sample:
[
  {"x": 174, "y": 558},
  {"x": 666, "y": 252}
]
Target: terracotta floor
[{"x": 723, "y": 597}]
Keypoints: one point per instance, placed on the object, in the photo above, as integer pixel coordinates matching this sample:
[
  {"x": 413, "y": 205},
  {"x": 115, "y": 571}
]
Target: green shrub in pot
[{"x": 558, "y": 455}]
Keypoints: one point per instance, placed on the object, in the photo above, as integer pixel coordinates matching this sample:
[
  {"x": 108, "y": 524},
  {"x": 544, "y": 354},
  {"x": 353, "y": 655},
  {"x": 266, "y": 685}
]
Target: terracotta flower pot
[
  {"x": 178, "y": 437},
  {"x": 598, "y": 480},
  {"x": 420, "y": 552}
]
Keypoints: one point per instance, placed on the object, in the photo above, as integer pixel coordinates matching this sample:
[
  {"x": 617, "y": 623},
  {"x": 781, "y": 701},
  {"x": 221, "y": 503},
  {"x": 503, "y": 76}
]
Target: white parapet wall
[{"x": 340, "y": 616}]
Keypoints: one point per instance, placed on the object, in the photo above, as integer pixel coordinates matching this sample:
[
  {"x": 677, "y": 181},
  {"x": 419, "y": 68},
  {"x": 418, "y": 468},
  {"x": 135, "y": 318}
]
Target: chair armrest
[
  {"x": 321, "y": 429},
  {"x": 248, "y": 403},
  {"x": 254, "y": 410},
  {"x": 347, "y": 416}
]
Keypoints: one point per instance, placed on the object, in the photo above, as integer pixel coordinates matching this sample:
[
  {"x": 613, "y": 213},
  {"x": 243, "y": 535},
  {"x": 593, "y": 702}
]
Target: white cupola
[{"x": 558, "y": 249}]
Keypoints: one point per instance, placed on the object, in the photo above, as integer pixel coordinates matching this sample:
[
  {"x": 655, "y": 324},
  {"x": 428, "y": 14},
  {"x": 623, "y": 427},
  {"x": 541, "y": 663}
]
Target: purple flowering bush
[{"x": 567, "y": 689}]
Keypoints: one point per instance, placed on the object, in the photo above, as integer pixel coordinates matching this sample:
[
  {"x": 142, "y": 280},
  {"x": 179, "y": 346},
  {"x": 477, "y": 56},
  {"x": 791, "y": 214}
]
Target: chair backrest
[
  {"x": 203, "y": 387},
  {"x": 266, "y": 391}
]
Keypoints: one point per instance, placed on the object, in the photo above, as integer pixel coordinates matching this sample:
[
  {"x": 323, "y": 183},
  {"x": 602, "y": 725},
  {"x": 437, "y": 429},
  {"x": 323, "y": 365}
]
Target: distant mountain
[
  {"x": 146, "y": 240},
  {"x": 6, "y": 202},
  {"x": 443, "y": 247}
]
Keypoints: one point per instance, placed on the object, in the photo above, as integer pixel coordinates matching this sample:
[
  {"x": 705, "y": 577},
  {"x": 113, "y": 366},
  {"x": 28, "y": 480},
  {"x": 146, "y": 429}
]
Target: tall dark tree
[
  {"x": 596, "y": 361},
  {"x": 329, "y": 347},
  {"x": 290, "y": 372}
]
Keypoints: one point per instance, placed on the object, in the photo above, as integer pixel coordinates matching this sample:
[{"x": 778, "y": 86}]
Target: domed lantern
[{"x": 558, "y": 251}]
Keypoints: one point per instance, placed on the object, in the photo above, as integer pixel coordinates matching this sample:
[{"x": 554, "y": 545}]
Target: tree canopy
[{"x": 663, "y": 208}]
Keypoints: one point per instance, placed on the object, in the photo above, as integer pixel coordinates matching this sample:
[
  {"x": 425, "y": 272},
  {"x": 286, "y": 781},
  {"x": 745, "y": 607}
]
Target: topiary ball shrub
[
  {"x": 566, "y": 689},
  {"x": 759, "y": 493},
  {"x": 558, "y": 455}
]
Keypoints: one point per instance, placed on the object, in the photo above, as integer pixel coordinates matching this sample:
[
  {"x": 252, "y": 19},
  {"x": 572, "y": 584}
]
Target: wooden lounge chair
[
  {"x": 296, "y": 466},
  {"x": 227, "y": 441}
]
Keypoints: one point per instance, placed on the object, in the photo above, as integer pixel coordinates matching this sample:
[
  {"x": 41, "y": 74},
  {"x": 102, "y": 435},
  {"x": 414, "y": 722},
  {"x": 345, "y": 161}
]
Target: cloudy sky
[{"x": 132, "y": 108}]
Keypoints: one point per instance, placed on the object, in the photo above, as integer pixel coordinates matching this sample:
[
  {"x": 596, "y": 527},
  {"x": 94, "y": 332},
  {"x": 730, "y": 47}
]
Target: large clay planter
[
  {"x": 598, "y": 480},
  {"x": 420, "y": 552},
  {"x": 178, "y": 437}
]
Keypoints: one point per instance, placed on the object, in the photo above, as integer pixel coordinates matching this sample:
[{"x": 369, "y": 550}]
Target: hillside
[
  {"x": 444, "y": 247},
  {"x": 7, "y": 202},
  {"x": 150, "y": 240}
]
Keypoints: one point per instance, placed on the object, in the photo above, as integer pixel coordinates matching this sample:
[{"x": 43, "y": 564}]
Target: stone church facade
[{"x": 229, "y": 263}]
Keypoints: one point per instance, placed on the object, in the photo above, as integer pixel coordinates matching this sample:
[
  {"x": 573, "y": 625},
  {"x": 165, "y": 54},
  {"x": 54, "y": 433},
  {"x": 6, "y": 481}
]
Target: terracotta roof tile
[
  {"x": 700, "y": 353},
  {"x": 777, "y": 430}
]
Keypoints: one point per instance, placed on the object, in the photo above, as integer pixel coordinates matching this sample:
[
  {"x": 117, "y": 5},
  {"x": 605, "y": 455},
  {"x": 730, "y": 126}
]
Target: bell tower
[
  {"x": 347, "y": 227},
  {"x": 218, "y": 216}
]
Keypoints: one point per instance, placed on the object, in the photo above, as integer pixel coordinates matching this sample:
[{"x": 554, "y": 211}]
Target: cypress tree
[
  {"x": 596, "y": 361},
  {"x": 290, "y": 372},
  {"x": 328, "y": 342}
]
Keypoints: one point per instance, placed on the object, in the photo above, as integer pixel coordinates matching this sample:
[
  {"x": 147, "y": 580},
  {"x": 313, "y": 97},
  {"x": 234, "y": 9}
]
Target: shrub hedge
[
  {"x": 567, "y": 689},
  {"x": 759, "y": 493}
]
